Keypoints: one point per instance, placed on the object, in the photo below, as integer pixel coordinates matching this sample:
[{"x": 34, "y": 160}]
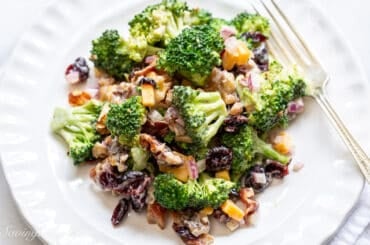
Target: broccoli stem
[
  {"x": 207, "y": 97},
  {"x": 267, "y": 150}
]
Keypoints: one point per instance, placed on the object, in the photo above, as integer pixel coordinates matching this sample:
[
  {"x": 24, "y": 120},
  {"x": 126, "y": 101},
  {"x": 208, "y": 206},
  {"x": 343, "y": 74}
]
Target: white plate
[{"x": 60, "y": 201}]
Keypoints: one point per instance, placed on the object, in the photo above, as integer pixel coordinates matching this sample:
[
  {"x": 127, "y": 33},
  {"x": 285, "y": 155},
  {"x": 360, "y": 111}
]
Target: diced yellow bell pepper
[
  {"x": 206, "y": 211},
  {"x": 232, "y": 210},
  {"x": 147, "y": 93},
  {"x": 237, "y": 56},
  {"x": 228, "y": 60},
  {"x": 244, "y": 53},
  {"x": 181, "y": 173},
  {"x": 223, "y": 175}
]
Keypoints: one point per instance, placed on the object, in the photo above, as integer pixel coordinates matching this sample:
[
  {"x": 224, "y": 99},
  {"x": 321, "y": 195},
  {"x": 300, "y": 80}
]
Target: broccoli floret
[
  {"x": 200, "y": 17},
  {"x": 273, "y": 101},
  {"x": 267, "y": 106},
  {"x": 117, "y": 56},
  {"x": 193, "y": 54},
  {"x": 110, "y": 53},
  {"x": 125, "y": 120},
  {"x": 169, "y": 137},
  {"x": 218, "y": 23},
  {"x": 198, "y": 151},
  {"x": 77, "y": 127},
  {"x": 245, "y": 145},
  {"x": 202, "y": 112},
  {"x": 175, "y": 195},
  {"x": 245, "y": 22},
  {"x": 159, "y": 23}
]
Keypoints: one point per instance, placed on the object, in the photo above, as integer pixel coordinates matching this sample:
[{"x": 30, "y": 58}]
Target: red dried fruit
[
  {"x": 120, "y": 211},
  {"x": 219, "y": 158}
]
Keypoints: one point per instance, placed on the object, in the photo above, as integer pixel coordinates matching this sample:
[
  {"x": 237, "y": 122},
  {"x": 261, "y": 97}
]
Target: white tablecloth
[{"x": 352, "y": 17}]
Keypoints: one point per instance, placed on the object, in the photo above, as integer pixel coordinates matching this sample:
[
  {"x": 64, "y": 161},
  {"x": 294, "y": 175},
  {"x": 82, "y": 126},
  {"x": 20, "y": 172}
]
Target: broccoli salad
[{"x": 185, "y": 117}]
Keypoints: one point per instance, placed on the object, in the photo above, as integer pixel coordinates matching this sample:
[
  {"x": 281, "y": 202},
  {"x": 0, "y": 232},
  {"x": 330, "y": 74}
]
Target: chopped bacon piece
[
  {"x": 156, "y": 214},
  {"x": 78, "y": 97}
]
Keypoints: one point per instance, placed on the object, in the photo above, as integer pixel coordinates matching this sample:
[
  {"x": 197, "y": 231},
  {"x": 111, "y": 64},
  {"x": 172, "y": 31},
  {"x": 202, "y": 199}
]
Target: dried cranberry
[
  {"x": 254, "y": 37},
  {"x": 109, "y": 180},
  {"x": 219, "y": 215},
  {"x": 232, "y": 123},
  {"x": 130, "y": 181},
  {"x": 261, "y": 57},
  {"x": 276, "y": 169},
  {"x": 80, "y": 66},
  {"x": 134, "y": 187},
  {"x": 183, "y": 232},
  {"x": 219, "y": 158},
  {"x": 139, "y": 194},
  {"x": 120, "y": 211},
  {"x": 147, "y": 80},
  {"x": 138, "y": 201},
  {"x": 257, "y": 43},
  {"x": 249, "y": 180}
]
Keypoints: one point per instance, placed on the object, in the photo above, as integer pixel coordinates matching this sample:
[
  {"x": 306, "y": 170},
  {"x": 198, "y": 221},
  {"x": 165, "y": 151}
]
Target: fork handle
[{"x": 358, "y": 153}]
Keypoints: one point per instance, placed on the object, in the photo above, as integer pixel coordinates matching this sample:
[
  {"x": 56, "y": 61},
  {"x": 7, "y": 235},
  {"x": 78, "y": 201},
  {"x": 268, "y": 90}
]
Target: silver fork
[{"x": 287, "y": 44}]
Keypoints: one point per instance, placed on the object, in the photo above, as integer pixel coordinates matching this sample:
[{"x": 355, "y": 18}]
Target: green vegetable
[
  {"x": 245, "y": 22},
  {"x": 175, "y": 195},
  {"x": 110, "y": 53},
  {"x": 218, "y": 23},
  {"x": 202, "y": 112},
  {"x": 169, "y": 137},
  {"x": 193, "y": 54},
  {"x": 139, "y": 158},
  {"x": 245, "y": 145},
  {"x": 274, "y": 96},
  {"x": 117, "y": 56},
  {"x": 77, "y": 127},
  {"x": 198, "y": 151},
  {"x": 158, "y": 24},
  {"x": 125, "y": 120}
]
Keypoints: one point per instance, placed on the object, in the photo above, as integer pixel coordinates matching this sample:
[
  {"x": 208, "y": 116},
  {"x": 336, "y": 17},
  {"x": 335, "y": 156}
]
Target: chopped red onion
[
  {"x": 298, "y": 166},
  {"x": 73, "y": 77},
  {"x": 149, "y": 59},
  {"x": 244, "y": 82},
  {"x": 276, "y": 169},
  {"x": 227, "y": 31},
  {"x": 259, "y": 178},
  {"x": 296, "y": 106},
  {"x": 251, "y": 82},
  {"x": 193, "y": 169},
  {"x": 256, "y": 85}
]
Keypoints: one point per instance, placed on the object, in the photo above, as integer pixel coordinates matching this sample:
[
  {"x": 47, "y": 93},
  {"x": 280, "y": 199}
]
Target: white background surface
[{"x": 352, "y": 18}]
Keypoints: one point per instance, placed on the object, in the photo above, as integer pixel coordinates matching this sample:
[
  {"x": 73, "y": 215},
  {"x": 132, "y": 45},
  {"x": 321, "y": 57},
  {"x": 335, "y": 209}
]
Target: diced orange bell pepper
[
  {"x": 223, "y": 175},
  {"x": 237, "y": 54},
  {"x": 244, "y": 53},
  {"x": 78, "y": 98},
  {"x": 181, "y": 173},
  {"x": 283, "y": 143},
  {"x": 206, "y": 211},
  {"x": 232, "y": 210}
]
